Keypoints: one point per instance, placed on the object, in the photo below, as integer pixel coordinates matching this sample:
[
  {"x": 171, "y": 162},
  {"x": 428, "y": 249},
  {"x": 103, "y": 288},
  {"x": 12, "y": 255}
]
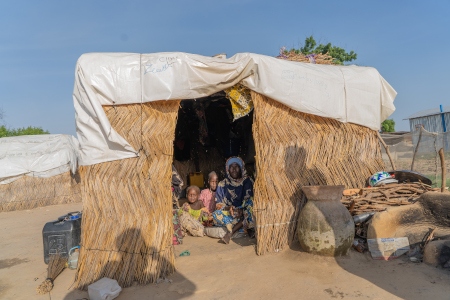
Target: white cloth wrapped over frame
[{"x": 346, "y": 93}]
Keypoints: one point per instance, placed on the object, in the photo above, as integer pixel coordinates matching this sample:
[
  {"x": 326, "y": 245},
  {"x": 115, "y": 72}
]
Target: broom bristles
[
  {"x": 56, "y": 265},
  {"x": 45, "y": 287}
]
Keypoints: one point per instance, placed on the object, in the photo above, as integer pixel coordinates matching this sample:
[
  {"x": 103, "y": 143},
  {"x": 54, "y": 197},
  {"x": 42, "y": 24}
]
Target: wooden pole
[
  {"x": 444, "y": 171},
  {"x": 417, "y": 147},
  {"x": 386, "y": 147}
]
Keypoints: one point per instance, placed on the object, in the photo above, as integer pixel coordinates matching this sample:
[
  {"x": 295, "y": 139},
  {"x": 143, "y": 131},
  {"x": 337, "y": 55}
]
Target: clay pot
[{"x": 325, "y": 226}]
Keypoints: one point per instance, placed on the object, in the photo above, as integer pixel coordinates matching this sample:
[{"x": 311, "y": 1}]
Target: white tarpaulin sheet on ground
[
  {"x": 346, "y": 93},
  {"x": 44, "y": 155}
]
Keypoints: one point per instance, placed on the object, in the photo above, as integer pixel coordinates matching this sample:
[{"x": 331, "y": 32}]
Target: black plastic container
[{"x": 61, "y": 235}]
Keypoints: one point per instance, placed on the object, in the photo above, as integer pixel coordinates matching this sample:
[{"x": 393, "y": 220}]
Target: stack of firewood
[{"x": 374, "y": 199}]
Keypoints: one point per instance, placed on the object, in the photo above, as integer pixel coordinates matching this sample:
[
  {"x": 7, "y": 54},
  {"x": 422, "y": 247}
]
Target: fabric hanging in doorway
[{"x": 241, "y": 100}]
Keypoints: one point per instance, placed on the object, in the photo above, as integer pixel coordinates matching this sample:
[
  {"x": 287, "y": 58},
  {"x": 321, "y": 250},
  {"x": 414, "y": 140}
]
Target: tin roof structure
[{"x": 429, "y": 112}]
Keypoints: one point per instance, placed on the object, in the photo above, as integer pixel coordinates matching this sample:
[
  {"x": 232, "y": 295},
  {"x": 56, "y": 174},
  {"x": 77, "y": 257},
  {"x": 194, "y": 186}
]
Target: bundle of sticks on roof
[
  {"x": 374, "y": 199},
  {"x": 321, "y": 59}
]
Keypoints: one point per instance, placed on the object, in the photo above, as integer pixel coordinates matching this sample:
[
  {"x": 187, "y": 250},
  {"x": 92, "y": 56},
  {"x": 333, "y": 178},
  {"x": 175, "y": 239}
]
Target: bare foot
[{"x": 226, "y": 238}]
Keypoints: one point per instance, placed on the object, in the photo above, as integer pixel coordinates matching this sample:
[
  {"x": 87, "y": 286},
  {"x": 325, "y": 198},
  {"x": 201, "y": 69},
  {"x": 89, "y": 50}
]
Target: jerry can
[
  {"x": 197, "y": 179},
  {"x": 62, "y": 235}
]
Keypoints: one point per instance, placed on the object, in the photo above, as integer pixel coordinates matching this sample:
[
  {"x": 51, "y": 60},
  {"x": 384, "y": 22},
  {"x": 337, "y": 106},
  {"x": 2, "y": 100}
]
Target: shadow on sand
[{"x": 174, "y": 286}]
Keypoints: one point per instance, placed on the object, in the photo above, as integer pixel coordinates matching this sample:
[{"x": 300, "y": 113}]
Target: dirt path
[{"x": 217, "y": 271}]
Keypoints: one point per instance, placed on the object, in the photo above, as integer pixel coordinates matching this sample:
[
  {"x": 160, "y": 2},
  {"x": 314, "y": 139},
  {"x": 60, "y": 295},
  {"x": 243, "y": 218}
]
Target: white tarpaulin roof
[
  {"x": 44, "y": 155},
  {"x": 346, "y": 93}
]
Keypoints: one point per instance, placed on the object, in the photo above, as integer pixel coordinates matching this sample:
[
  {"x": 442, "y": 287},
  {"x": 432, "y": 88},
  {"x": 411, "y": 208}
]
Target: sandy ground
[{"x": 217, "y": 271}]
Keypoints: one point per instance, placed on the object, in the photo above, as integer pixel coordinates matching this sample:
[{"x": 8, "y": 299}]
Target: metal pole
[
  {"x": 444, "y": 127},
  {"x": 443, "y": 119}
]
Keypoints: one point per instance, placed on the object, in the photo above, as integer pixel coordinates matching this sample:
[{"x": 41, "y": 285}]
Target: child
[
  {"x": 193, "y": 206},
  {"x": 208, "y": 196},
  {"x": 193, "y": 212}
]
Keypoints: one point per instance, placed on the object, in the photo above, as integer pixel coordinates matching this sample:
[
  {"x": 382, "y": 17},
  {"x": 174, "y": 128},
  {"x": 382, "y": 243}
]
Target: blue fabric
[
  {"x": 237, "y": 193},
  {"x": 234, "y": 194},
  {"x": 233, "y": 160},
  {"x": 223, "y": 218}
]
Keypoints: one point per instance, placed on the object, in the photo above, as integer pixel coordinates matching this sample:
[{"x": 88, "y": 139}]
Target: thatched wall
[
  {"x": 127, "y": 217},
  {"x": 31, "y": 192},
  {"x": 294, "y": 149}
]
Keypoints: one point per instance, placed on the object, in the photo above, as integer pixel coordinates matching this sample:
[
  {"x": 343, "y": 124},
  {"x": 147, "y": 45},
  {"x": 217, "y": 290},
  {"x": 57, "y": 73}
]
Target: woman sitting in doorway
[{"x": 234, "y": 197}]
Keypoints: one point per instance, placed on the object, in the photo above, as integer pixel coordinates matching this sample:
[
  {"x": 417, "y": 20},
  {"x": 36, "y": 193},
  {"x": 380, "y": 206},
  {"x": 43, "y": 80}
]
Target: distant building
[{"x": 431, "y": 120}]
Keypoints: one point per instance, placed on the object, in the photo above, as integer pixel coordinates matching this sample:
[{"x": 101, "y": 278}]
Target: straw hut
[
  {"x": 37, "y": 171},
  {"x": 311, "y": 124}
]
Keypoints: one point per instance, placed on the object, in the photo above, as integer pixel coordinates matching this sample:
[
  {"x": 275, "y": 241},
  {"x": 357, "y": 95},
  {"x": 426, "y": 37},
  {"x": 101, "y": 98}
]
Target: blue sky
[{"x": 40, "y": 42}]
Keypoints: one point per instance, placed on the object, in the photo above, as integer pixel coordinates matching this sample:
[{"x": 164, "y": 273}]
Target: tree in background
[
  {"x": 388, "y": 125},
  {"x": 338, "y": 54},
  {"x": 30, "y": 130}
]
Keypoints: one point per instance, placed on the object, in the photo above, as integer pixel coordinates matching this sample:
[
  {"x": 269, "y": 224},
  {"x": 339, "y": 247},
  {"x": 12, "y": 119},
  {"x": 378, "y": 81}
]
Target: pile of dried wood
[
  {"x": 373, "y": 199},
  {"x": 317, "y": 58}
]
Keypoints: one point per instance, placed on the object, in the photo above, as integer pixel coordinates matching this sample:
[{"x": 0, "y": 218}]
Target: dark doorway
[{"x": 206, "y": 136}]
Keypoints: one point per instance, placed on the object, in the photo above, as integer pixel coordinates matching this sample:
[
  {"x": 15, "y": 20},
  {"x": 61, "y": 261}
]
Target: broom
[{"x": 56, "y": 265}]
